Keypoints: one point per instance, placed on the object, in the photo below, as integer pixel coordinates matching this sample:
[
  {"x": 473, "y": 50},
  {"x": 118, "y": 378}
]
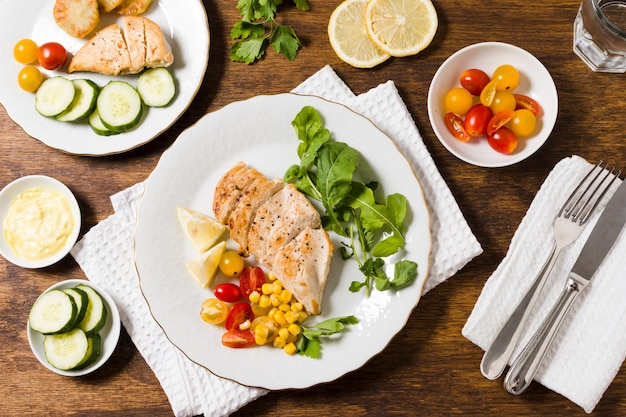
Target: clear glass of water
[{"x": 600, "y": 35}]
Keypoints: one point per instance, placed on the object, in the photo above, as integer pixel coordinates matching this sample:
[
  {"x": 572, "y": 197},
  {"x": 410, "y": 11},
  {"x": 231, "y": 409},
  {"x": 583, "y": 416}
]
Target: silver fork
[{"x": 567, "y": 226}]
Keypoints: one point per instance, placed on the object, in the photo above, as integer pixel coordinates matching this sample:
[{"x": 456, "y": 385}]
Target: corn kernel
[
  {"x": 279, "y": 317},
  {"x": 285, "y": 296},
  {"x": 294, "y": 329},
  {"x": 291, "y": 338},
  {"x": 302, "y": 316},
  {"x": 271, "y": 312},
  {"x": 297, "y": 306},
  {"x": 254, "y": 297},
  {"x": 245, "y": 325},
  {"x": 267, "y": 288},
  {"x": 261, "y": 330},
  {"x": 275, "y": 300},
  {"x": 271, "y": 276},
  {"x": 264, "y": 301},
  {"x": 284, "y": 307},
  {"x": 259, "y": 340},
  {"x": 279, "y": 342},
  {"x": 277, "y": 287},
  {"x": 283, "y": 333},
  {"x": 291, "y": 317},
  {"x": 290, "y": 348}
]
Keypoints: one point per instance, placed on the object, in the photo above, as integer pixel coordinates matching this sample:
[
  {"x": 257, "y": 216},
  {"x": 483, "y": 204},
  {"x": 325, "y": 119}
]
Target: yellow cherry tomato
[
  {"x": 506, "y": 77},
  {"x": 214, "y": 311},
  {"x": 488, "y": 93},
  {"x": 502, "y": 100},
  {"x": 459, "y": 100},
  {"x": 29, "y": 78},
  {"x": 25, "y": 51},
  {"x": 231, "y": 264},
  {"x": 523, "y": 123}
]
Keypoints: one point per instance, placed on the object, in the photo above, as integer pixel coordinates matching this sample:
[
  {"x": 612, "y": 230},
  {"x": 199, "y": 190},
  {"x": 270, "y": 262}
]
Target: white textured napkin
[
  {"x": 106, "y": 254},
  {"x": 590, "y": 347}
]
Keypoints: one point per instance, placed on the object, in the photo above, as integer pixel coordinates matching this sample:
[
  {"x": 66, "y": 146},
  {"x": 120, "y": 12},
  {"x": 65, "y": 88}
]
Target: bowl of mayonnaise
[{"x": 40, "y": 219}]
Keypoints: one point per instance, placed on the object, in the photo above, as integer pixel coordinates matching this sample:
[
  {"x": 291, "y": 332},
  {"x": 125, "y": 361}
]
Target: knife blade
[{"x": 599, "y": 243}]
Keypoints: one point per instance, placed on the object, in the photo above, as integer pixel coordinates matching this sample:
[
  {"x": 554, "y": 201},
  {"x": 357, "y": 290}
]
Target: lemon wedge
[
  {"x": 204, "y": 269},
  {"x": 203, "y": 231},
  {"x": 349, "y": 39},
  {"x": 401, "y": 27}
]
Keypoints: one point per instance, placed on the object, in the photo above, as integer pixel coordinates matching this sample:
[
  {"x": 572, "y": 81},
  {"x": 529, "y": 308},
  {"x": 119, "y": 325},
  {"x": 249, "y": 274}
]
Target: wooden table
[{"x": 429, "y": 368}]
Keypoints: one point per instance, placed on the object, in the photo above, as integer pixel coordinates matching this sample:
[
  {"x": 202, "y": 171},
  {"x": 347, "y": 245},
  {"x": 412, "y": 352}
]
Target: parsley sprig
[
  {"x": 375, "y": 229},
  {"x": 258, "y": 28},
  {"x": 310, "y": 343}
]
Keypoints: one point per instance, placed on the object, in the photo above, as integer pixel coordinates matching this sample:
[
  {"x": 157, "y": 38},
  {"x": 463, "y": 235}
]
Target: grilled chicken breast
[
  {"x": 115, "y": 50},
  {"x": 279, "y": 226}
]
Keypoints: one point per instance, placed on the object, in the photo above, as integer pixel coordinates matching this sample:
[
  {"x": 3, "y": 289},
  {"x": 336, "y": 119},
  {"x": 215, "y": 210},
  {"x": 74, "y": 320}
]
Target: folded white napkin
[
  {"x": 590, "y": 347},
  {"x": 106, "y": 254}
]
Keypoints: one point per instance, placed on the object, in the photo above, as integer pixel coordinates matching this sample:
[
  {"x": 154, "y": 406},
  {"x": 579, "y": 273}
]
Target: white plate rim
[
  {"x": 190, "y": 44},
  {"x": 12, "y": 190},
  {"x": 490, "y": 53},
  {"x": 110, "y": 334},
  {"x": 147, "y": 271}
]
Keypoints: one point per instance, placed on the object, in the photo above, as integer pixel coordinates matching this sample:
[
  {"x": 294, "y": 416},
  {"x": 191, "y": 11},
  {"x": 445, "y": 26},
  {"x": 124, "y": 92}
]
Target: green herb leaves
[
  {"x": 258, "y": 29},
  {"x": 310, "y": 343},
  {"x": 375, "y": 229}
]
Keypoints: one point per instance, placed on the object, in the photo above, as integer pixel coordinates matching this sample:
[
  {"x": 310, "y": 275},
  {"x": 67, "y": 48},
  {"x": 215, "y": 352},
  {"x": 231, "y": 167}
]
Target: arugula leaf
[
  {"x": 405, "y": 272},
  {"x": 258, "y": 29},
  {"x": 310, "y": 343}
]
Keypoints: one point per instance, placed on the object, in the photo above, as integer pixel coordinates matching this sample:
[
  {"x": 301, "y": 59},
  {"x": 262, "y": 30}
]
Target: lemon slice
[
  {"x": 203, "y": 231},
  {"x": 401, "y": 27},
  {"x": 204, "y": 269},
  {"x": 349, "y": 39}
]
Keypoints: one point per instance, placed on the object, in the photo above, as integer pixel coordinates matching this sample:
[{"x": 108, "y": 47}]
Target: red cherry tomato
[
  {"x": 456, "y": 126},
  {"x": 227, "y": 292},
  {"x": 525, "y": 102},
  {"x": 498, "y": 120},
  {"x": 51, "y": 55},
  {"x": 238, "y": 338},
  {"x": 503, "y": 140},
  {"x": 238, "y": 315},
  {"x": 474, "y": 80},
  {"x": 251, "y": 279},
  {"x": 477, "y": 119}
]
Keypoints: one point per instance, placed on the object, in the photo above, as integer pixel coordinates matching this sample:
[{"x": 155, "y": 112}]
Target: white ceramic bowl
[
  {"x": 11, "y": 191},
  {"x": 535, "y": 82},
  {"x": 110, "y": 333}
]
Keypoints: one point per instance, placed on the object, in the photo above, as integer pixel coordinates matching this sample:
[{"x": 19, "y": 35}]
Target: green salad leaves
[
  {"x": 310, "y": 344},
  {"x": 258, "y": 28},
  {"x": 375, "y": 228}
]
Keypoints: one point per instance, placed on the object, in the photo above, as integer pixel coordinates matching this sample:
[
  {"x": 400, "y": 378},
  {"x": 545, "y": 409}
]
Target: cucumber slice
[
  {"x": 96, "y": 314},
  {"x": 54, "y": 312},
  {"x": 94, "y": 349},
  {"x": 54, "y": 96},
  {"x": 99, "y": 127},
  {"x": 84, "y": 101},
  {"x": 156, "y": 87},
  {"x": 81, "y": 300},
  {"x": 66, "y": 351},
  {"x": 119, "y": 106}
]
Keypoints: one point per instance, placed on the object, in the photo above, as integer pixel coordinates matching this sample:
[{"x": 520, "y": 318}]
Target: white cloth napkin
[
  {"x": 589, "y": 350},
  {"x": 106, "y": 254}
]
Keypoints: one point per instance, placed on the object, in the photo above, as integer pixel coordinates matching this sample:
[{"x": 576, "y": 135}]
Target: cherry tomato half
[
  {"x": 458, "y": 100},
  {"x": 29, "y": 78},
  {"x": 51, "y": 55},
  {"x": 507, "y": 77},
  {"x": 500, "y": 119},
  {"x": 231, "y": 263},
  {"x": 503, "y": 140},
  {"x": 240, "y": 313},
  {"x": 227, "y": 292},
  {"x": 456, "y": 126},
  {"x": 238, "y": 338},
  {"x": 488, "y": 93},
  {"x": 251, "y": 279},
  {"x": 474, "y": 80},
  {"x": 25, "y": 51},
  {"x": 214, "y": 311},
  {"x": 525, "y": 102},
  {"x": 477, "y": 119}
]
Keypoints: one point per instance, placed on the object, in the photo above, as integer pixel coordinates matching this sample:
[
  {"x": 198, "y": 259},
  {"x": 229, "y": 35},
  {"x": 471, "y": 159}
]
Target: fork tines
[{"x": 589, "y": 192}]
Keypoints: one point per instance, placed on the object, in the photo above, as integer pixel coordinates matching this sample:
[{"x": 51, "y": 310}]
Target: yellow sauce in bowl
[{"x": 38, "y": 224}]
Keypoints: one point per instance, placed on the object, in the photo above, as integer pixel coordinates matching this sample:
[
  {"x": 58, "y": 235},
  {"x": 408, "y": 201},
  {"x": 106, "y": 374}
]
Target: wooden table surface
[{"x": 429, "y": 368}]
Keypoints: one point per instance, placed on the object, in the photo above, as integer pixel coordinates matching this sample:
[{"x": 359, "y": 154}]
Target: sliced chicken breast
[
  {"x": 254, "y": 196},
  {"x": 134, "y": 30},
  {"x": 105, "y": 53},
  {"x": 302, "y": 266},
  {"x": 229, "y": 189},
  {"x": 280, "y": 220}
]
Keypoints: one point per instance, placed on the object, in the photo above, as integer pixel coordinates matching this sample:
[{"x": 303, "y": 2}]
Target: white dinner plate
[
  {"x": 258, "y": 131},
  {"x": 184, "y": 24}
]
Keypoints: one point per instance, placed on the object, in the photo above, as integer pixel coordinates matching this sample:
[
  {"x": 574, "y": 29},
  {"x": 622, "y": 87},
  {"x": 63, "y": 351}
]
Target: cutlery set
[{"x": 568, "y": 226}]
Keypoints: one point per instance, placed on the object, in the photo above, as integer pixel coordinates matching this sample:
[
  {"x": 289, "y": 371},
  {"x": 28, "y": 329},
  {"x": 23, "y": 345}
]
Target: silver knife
[{"x": 599, "y": 243}]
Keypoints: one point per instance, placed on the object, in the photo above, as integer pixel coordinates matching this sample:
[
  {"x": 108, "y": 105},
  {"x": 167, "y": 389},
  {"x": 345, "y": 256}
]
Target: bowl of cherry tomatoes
[{"x": 492, "y": 104}]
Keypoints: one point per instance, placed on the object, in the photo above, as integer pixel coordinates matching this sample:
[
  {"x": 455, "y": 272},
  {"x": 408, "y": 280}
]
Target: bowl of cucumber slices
[{"x": 73, "y": 327}]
